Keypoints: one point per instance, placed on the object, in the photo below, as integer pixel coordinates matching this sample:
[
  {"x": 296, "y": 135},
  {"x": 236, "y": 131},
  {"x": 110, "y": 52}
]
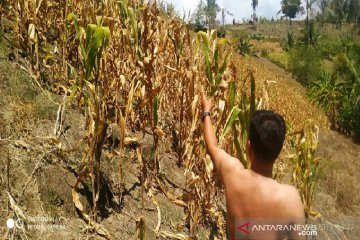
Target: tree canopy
[
  {"x": 290, "y": 8},
  {"x": 339, "y": 11},
  {"x": 205, "y": 13},
  {"x": 254, "y": 5}
]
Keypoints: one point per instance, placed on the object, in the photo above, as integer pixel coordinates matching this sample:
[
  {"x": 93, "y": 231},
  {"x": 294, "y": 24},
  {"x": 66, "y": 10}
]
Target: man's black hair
[{"x": 267, "y": 134}]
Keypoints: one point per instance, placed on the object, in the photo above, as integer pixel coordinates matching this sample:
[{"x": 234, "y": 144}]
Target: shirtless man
[{"x": 252, "y": 193}]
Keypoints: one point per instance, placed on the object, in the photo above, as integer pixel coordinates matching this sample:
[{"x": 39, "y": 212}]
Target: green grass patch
[
  {"x": 280, "y": 59},
  {"x": 327, "y": 65}
]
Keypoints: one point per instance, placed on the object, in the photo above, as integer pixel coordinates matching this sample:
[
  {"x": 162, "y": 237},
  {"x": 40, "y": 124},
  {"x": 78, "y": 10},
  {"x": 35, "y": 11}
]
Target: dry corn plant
[
  {"x": 149, "y": 65},
  {"x": 307, "y": 167},
  {"x": 213, "y": 68},
  {"x": 139, "y": 50},
  {"x": 147, "y": 79},
  {"x": 202, "y": 197},
  {"x": 27, "y": 37},
  {"x": 239, "y": 118},
  {"x": 93, "y": 86},
  {"x": 1, "y": 13}
]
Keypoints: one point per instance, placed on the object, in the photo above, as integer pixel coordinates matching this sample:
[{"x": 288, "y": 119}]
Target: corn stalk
[
  {"x": 307, "y": 167},
  {"x": 238, "y": 121},
  {"x": 90, "y": 87},
  {"x": 153, "y": 78},
  {"x": 214, "y": 68}
]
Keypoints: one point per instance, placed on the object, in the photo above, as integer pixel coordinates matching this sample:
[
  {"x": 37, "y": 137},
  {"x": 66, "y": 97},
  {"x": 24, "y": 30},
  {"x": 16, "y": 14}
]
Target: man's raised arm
[{"x": 222, "y": 161}]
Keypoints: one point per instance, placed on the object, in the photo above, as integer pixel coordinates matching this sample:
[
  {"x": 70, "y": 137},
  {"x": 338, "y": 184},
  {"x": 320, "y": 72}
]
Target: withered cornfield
[{"x": 130, "y": 66}]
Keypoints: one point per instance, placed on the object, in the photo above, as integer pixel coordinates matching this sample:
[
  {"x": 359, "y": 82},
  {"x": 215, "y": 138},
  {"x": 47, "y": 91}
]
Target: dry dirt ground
[{"x": 36, "y": 179}]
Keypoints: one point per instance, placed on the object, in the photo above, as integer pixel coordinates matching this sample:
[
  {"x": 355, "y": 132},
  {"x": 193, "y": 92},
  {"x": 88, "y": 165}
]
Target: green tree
[
  {"x": 225, "y": 12},
  {"x": 339, "y": 93},
  {"x": 323, "y": 6},
  {"x": 305, "y": 64},
  {"x": 310, "y": 35},
  {"x": 339, "y": 8},
  {"x": 349, "y": 116},
  {"x": 199, "y": 16},
  {"x": 211, "y": 11},
  {"x": 205, "y": 14},
  {"x": 290, "y": 8},
  {"x": 353, "y": 14},
  {"x": 327, "y": 92},
  {"x": 254, "y": 5},
  {"x": 348, "y": 68},
  {"x": 353, "y": 9},
  {"x": 308, "y": 4}
]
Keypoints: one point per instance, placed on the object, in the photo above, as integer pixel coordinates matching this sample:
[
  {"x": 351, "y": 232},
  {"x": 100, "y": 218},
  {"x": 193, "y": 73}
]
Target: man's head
[{"x": 266, "y": 135}]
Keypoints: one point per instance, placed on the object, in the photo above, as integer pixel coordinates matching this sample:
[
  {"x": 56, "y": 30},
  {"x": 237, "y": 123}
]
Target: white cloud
[
  {"x": 240, "y": 8},
  {"x": 181, "y": 5}
]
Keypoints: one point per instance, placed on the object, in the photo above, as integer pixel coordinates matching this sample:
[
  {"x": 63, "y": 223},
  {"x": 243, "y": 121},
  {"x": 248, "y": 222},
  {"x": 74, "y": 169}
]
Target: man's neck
[{"x": 262, "y": 169}]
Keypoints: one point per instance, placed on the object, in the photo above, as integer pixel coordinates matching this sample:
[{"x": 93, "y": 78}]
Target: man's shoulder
[
  {"x": 289, "y": 190},
  {"x": 288, "y": 193},
  {"x": 238, "y": 178},
  {"x": 243, "y": 173},
  {"x": 291, "y": 200}
]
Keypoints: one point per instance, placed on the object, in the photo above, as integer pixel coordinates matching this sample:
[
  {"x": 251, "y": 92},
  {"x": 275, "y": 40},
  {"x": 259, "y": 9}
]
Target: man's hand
[
  {"x": 224, "y": 164},
  {"x": 206, "y": 103}
]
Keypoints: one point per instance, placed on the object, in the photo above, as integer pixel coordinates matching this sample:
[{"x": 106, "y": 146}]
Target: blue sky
[{"x": 240, "y": 8}]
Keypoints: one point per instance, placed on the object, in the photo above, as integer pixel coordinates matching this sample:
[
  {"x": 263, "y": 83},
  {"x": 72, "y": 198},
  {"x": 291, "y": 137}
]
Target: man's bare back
[{"x": 252, "y": 193}]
